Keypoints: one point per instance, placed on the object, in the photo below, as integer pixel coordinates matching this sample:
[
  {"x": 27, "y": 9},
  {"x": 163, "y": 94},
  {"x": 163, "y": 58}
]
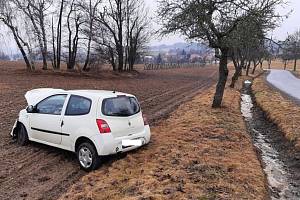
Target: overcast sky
[{"x": 288, "y": 26}]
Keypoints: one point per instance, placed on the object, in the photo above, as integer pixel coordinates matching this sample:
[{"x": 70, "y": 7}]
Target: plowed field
[{"x": 40, "y": 172}]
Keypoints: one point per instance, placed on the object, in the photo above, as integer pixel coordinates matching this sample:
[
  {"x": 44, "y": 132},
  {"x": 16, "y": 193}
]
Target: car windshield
[{"x": 122, "y": 106}]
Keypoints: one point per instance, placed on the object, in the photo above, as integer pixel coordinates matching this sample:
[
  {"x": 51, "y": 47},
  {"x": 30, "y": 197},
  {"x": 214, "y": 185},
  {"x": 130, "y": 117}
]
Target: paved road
[{"x": 286, "y": 82}]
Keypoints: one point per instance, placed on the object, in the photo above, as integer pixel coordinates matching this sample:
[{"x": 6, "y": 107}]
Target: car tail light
[
  {"x": 145, "y": 120},
  {"x": 103, "y": 126}
]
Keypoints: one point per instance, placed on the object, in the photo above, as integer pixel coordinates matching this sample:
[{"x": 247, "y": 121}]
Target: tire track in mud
[
  {"x": 38, "y": 171},
  {"x": 178, "y": 96},
  {"x": 162, "y": 110}
]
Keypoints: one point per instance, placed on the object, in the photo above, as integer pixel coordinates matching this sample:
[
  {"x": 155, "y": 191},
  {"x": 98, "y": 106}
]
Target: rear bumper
[{"x": 106, "y": 144}]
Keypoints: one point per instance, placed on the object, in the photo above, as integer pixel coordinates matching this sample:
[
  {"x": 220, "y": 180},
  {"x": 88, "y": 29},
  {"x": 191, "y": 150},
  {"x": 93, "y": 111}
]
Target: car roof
[
  {"x": 97, "y": 93},
  {"x": 35, "y": 96}
]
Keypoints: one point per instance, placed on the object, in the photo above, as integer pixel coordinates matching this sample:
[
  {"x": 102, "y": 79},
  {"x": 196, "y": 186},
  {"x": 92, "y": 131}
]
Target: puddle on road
[{"x": 282, "y": 174}]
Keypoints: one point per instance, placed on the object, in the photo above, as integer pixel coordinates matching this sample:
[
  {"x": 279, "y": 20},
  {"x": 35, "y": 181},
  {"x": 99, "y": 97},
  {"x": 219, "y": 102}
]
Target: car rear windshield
[{"x": 122, "y": 106}]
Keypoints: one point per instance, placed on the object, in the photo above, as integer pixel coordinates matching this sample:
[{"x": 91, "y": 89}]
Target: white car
[{"x": 91, "y": 123}]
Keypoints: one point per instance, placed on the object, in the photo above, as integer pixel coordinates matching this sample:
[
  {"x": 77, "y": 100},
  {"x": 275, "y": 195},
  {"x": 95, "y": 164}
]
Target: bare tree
[
  {"x": 112, "y": 18},
  {"x": 105, "y": 46},
  {"x": 35, "y": 10},
  {"x": 137, "y": 33},
  {"x": 90, "y": 9},
  {"x": 8, "y": 16},
  {"x": 124, "y": 24},
  {"x": 285, "y": 53},
  {"x": 56, "y": 38},
  {"x": 73, "y": 29},
  {"x": 213, "y": 21},
  {"x": 293, "y": 47},
  {"x": 259, "y": 55}
]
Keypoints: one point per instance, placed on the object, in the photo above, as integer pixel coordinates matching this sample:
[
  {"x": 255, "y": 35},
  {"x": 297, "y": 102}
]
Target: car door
[
  {"x": 47, "y": 120},
  {"x": 77, "y": 118}
]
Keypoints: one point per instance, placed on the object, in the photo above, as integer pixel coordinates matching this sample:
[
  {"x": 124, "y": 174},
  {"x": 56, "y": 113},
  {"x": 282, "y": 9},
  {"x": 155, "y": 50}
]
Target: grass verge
[
  {"x": 197, "y": 153},
  {"x": 278, "y": 109}
]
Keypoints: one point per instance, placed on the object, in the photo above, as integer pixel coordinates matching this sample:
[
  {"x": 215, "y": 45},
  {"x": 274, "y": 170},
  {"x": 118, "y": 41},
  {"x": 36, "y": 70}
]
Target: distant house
[
  {"x": 149, "y": 59},
  {"x": 194, "y": 58},
  {"x": 171, "y": 57}
]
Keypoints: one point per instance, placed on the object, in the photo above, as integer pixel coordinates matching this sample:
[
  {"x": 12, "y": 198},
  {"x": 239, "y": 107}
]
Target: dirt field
[
  {"x": 198, "y": 153},
  {"x": 41, "y": 172}
]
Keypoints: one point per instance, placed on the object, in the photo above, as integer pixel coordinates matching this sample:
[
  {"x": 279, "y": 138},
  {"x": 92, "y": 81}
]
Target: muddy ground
[{"x": 41, "y": 172}]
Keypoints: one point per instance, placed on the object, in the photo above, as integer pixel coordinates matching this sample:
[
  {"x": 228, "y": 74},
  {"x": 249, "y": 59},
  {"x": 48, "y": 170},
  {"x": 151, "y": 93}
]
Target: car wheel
[
  {"x": 87, "y": 157},
  {"x": 22, "y": 136}
]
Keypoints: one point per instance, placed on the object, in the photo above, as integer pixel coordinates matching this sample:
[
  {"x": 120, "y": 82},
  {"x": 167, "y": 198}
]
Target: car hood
[{"x": 35, "y": 96}]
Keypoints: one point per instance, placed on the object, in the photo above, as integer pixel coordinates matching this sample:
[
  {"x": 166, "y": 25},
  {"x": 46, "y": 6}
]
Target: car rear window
[
  {"x": 122, "y": 106},
  {"x": 78, "y": 105}
]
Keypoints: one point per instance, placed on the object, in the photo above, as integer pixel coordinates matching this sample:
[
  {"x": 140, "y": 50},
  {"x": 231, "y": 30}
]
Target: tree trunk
[
  {"x": 248, "y": 68},
  {"x": 254, "y": 67},
  {"x": 269, "y": 63},
  {"x": 295, "y": 64},
  {"x": 236, "y": 74},
  {"x": 87, "y": 59},
  {"x": 285, "y": 62},
  {"x": 44, "y": 55},
  {"x": 120, "y": 57},
  {"x": 243, "y": 63},
  {"x": 223, "y": 74},
  {"x": 45, "y": 48},
  {"x": 261, "y": 64},
  {"x": 120, "y": 37},
  {"x": 58, "y": 35},
  {"x": 37, "y": 32},
  {"x": 54, "y": 62},
  {"x": 28, "y": 65},
  {"x": 112, "y": 59}
]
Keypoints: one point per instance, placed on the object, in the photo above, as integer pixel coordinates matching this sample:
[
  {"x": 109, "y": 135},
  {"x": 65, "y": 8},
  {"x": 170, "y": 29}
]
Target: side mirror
[{"x": 31, "y": 109}]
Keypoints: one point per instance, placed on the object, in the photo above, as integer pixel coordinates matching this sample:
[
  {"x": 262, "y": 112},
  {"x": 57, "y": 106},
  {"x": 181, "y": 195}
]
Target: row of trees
[
  {"x": 291, "y": 49},
  {"x": 236, "y": 29},
  {"x": 114, "y": 31}
]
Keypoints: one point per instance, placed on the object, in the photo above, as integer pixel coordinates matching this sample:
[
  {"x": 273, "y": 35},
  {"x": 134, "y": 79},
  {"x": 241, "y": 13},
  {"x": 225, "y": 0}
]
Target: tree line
[{"x": 114, "y": 31}]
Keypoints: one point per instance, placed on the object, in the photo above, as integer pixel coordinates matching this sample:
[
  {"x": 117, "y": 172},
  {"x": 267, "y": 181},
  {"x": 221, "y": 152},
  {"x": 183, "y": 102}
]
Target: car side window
[
  {"x": 52, "y": 105},
  {"x": 78, "y": 105}
]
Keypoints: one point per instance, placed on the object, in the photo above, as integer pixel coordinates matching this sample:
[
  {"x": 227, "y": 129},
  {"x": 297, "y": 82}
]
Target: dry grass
[
  {"x": 197, "y": 153},
  {"x": 279, "y": 64},
  {"x": 279, "y": 109}
]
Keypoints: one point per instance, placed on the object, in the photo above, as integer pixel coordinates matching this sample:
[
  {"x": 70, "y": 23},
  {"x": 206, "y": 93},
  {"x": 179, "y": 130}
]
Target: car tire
[
  {"x": 87, "y": 157},
  {"x": 22, "y": 136}
]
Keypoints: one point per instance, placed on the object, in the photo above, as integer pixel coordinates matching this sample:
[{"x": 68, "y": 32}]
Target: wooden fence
[{"x": 172, "y": 66}]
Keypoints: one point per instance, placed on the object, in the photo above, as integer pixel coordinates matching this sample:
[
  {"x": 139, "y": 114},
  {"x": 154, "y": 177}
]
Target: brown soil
[
  {"x": 197, "y": 153},
  {"x": 41, "y": 172}
]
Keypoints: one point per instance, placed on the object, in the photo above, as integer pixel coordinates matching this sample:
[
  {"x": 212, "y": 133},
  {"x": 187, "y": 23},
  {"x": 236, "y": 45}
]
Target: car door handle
[{"x": 62, "y": 123}]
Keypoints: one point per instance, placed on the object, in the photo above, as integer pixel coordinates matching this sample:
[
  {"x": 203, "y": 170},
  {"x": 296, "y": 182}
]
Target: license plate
[{"x": 128, "y": 143}]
